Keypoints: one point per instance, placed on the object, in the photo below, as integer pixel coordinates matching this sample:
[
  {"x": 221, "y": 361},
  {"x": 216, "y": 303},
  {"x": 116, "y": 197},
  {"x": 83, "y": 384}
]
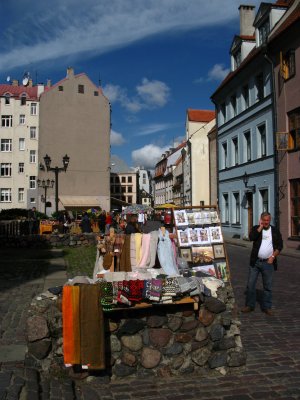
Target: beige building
[
  {"x": 123, "y": 187},
  {"x": 75, "y": 120},
  {"x": 213, "y": 168},
  {"x": 198, "y": 124},
  {"x": 19, "y": 133}
]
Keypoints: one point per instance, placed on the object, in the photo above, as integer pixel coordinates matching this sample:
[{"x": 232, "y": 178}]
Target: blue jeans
[{"x": 266, "y": 271}]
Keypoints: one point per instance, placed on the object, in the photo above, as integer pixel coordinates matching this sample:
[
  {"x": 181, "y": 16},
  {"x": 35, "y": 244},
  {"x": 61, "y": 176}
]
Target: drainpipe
[{"x": 276, "y": 164}]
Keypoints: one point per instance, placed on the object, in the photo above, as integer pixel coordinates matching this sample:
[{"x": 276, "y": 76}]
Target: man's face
[{"x": 266, "y": 222}]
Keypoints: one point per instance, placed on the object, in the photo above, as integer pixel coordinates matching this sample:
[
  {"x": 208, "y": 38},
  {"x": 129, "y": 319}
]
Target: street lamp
[
  {"x": 56, "y": 170},
  {"x": 45, "y": 185},
  {"x": 246, "y": 180}
]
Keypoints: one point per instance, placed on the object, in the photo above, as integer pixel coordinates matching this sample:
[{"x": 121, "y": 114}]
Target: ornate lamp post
[
  {"x": 45, "y": 185},
  {"x": 56, "y": 170},
  {"x": 246, "y": 180}
]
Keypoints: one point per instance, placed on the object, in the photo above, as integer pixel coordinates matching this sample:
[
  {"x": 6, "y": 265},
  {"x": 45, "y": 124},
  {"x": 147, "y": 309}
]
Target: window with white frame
[
  {"x": 23, "y": 99},
  {"x": 22, "y": 144},
  {"x": 264, "y": 31},
  {"x": 22, "y": 119},
  {"x": 33, "y": 108},
  {"x": 21, "y": 192},
  {"x": 5, "y": 195},
  {"x": 6, "y": 121},
  {"x": 32, "y": 182},
  {"x": 32, "y": 199},
  {"x": 224, "y": 156},
  {"x": 264, "y": 200},
  {"x": 32, "y": 156},
  {"x": 225, "y": 213},
  {"x": 236, "y": 210},
  {"x": 235, "y": 151},
  {"x": 33, "y": 132},
  {"x": 247, "y": 146},
  {"x": 5, "y": 170},
  {"x": 262, "y": 140},
  {"x": 21, "y": 168},
  {"x": 6, "y": 145}
]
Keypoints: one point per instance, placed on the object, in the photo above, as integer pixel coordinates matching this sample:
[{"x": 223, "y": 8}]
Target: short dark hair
[{"x": 265, "y": 214}]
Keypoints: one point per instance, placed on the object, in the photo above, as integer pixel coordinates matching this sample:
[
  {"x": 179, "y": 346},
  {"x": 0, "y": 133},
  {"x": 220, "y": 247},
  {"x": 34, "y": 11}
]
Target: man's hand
[
  {"x": 260, "y": 228},
  {"x": 271, "y": 260}
]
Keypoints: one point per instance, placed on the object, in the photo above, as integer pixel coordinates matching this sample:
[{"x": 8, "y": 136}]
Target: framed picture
[
  {"x": 221, "y": 271},
  {"x": 202, "y": 254},
  {"x": 191, "y": 218},
  {"x": 214, "y": 217},
  {"x": 198, "y": 218},
  {"x": 186, "y": 254},
  {"x": 194, "y": 237},
  {"x": 180, "y": 217},
  {"x": 204, "y": 235},
  {"x": 205, "y": 217},
  {"x": 219, "y": 251},
  {"x": 215, "y": 234},
  {"x": 183, "y": 237}
]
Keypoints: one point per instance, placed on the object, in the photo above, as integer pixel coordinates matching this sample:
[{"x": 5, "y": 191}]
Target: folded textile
[
  {"x": 212, "y": 284},
  {"x": 146, "y": 289},
  {"x": 136, "y": 290},
  {"x": 170, "y": 287},
  {"x": 156, "y": 288}
]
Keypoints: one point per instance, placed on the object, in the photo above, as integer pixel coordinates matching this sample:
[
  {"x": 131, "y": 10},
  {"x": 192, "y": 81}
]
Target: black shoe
[{"x": 247, "y": 309}]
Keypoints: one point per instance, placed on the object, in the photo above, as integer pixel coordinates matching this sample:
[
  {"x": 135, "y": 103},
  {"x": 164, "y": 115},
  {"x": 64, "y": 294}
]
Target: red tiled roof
[
  {"x": 246, "y": 37},
  {"x": 201, "y": 115},
  {"x": 17, "y": 91}
]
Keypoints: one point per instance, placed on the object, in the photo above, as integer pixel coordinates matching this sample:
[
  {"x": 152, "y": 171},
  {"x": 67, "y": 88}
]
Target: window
[
  {"x": 225, "y": 213},
  {"x": 264, "y": 196},
  {"x": 295, "y": 207},
  {"x": 5, "y": 169},
  {"x": 123, "y": 179},
  {"x": 245, "y": 94},
  {"x": 233, "y": 105},
  {"x": 32, "y": 156},
  {"x": 80, "y": 88},
  {"x": 259, "y": 85},
  {"x": 263, "y": 140},
  {"x": 6, "y": 145},
  {"x": 264, "y": 31},
  {"x": 235, "y": 151},
  {"x": 21, "y": 168},
  {"x": 129, "y": 189},
  {"x": 129, "y": 179},
  {"x": 294, "y": 128},
  {"x": 236, "y": 209},
  {"x": 247, "y": 146},
  {"x": 223, "y": 112},
  {"x": 32, "y": 199},
  {"x": 111, "y": 179},
  {"x": 32, "y": 182},
  {"x": 6, "y": 121},
  {"x": 21, "y": 144},
  {"x": 22, "y": 119},
  {"x": 21, "y": 195},
  {"x": 144, "y": 181},
  {"x": 60, "y": 88},
  {"x": 123, "y": 189},
  {"x": 237, "y": 57},
  {"x": 33, "y": 109},
  {"x": 7, "y": 99},
  {"x": 288, "y": 65},
  {"x": 33, "y": 132},
  {"x": 129, "y": 199},
  {"x": 117, "y": 189},
  {"x": 23, "y": 100},
  {"x": 96, "y": 93},
  {"x": 224, "y": 156},
  {"x": 5, "y": 195}
]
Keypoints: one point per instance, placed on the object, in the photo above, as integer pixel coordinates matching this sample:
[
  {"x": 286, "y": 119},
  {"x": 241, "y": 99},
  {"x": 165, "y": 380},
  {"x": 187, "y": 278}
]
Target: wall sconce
[{"x": 246, "y": 180}]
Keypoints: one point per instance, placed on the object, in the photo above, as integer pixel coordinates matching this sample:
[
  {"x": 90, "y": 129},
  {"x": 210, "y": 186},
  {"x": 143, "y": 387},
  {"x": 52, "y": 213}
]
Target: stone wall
[
  {"x": 158, "y": 341},
  {"x": 49, "y": 241}
]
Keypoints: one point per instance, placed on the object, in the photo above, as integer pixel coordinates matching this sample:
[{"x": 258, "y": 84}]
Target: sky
[{"x": 154, "y": 59}]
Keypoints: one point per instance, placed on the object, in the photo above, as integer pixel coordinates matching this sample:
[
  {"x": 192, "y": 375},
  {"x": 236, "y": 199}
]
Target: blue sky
[{"x": 154, "y": 58}]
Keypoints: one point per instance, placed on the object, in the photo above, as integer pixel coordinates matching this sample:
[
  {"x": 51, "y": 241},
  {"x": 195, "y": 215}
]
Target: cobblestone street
[{"x": 272, "y": 344}]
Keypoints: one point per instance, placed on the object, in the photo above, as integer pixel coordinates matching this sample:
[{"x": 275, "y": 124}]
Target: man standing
[
  {"x": 33, "y": 221},
  {"x": 267, "y": 244}
]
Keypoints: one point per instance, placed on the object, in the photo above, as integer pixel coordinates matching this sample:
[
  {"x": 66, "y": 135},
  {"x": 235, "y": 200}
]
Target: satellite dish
[
  {"x": 8, "y": 79},
  {"x": 25, "y": 81}
]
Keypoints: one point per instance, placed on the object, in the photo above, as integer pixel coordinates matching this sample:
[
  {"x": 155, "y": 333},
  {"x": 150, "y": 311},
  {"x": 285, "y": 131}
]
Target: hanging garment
[
  {"x": 145, "y": 251},
  {"x": 71, "y": 326},
  {"x": 118, "y": 249},
  {"x": 132, "y": 250},
  {"x": 166, "y": 254},
  {"x": 125, "y": 262},
  {"x": 153, "y": 249},
  {"x": 138, "y": 247},
  {"x": 91, "y": 327}
]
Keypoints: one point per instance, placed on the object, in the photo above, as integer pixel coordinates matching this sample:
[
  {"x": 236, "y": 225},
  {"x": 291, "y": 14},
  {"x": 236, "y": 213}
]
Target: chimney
[
  {"x": 246, "y": 20},
  {"x": 48, "y": 83},
  {"x": 30, "y": 83},
  {"x": 70, "y": 72},
  {"x": 15, "y": 82}
]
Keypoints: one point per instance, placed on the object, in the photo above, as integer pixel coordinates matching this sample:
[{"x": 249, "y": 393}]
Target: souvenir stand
[{"x": 152, "y": 313}]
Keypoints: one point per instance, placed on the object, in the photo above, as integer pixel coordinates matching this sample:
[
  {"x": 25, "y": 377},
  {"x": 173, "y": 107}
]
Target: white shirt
[{"x": 266, "y": 247}]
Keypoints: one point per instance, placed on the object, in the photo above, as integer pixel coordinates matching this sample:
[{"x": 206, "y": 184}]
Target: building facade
[
  {"x": 19, "y": 134},
  {"x": 124, "y": 186},
  {"x": 75, "y": 120},
  {"x": 245, "y": 120},
  {"x": 213, "y": 166}
]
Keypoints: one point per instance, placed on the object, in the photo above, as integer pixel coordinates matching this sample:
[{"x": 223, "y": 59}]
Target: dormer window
[
  {"x": 264, "y": 31},
  {"x": 237, "y": 57},
  {"x": 7, "y": 99},
  {"x": 23, "y": 100}
]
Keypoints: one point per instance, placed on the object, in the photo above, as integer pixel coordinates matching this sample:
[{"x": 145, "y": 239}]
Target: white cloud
[
  {"x": 148, "y": 155},
  {"x": 116, "y": 138},
  {"x": 49, "y": 30},
  {"x": 218, "y": 72},
  {"x": 153, "y": 128},
  {"x": 148, "y": 95}
]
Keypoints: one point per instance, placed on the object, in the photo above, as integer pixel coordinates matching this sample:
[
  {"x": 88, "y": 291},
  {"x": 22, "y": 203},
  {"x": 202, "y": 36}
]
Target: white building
[{"x": 19, "y": 109}]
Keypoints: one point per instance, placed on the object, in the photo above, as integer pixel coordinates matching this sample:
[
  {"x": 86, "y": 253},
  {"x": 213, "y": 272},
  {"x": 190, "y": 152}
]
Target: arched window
[{"x": 7, "y": 98}]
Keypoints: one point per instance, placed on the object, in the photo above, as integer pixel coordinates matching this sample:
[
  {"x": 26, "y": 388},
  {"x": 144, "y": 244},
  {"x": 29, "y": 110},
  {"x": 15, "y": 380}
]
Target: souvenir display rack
[{"x": 200, "y": 241}]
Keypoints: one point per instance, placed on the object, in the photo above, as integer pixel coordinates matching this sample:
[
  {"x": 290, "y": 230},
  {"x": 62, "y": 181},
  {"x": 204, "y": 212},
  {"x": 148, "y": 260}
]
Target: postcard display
[{"x": 200, "y": 241}]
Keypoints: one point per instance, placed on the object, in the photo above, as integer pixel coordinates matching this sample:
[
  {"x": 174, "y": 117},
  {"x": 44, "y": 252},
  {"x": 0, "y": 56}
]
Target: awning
[{"x": 80, "y": 201}]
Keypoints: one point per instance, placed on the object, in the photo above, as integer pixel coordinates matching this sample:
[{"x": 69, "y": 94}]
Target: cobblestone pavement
[{"x": 272, "y": 345}]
